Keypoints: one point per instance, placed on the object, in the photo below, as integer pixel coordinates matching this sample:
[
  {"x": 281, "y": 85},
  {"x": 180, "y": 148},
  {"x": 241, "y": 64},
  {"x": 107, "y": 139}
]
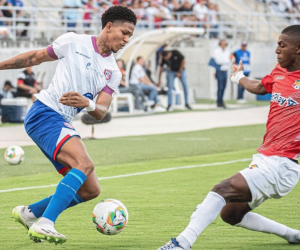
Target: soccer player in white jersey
[
  {"x": 86, "y": 68},
  {"x": 274, "y": 171}
]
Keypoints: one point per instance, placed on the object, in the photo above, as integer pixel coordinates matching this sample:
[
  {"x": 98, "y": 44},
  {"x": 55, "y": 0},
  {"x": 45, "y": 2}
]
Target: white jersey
[{"x": 81, "y": 69}]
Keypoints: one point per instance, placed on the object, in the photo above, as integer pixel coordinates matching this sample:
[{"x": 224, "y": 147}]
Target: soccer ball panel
[{"x": 110, "y": 216}]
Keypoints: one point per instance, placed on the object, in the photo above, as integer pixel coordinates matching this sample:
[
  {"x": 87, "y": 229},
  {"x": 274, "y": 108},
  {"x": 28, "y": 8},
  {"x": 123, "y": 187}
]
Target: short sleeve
[
  {"x": 113, "y": 84},
  {"x": 268, "y": 82},
  {"x": 60, "y": 46}
]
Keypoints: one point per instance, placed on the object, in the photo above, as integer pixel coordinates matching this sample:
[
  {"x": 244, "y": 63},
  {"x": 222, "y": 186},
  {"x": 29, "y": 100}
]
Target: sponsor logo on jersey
[
  {"x": 82, "y": 55},
  {"x": 88, "y": 65},
  {"x": 280, "y": 78},
  {"x": 108, "y": 74},
  {"x": 283, "y": 101},
  {"x": 296, "y": 84},
  {"x": 68, "y": 125}
]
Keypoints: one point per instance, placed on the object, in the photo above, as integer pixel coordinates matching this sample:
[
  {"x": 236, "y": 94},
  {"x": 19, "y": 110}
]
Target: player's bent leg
[
  {"x": 233, "y": 189},
  {"x": 74, "y": 155}
]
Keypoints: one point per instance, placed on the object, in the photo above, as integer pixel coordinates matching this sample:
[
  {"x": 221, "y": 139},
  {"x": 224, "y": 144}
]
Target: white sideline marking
[{"x": 135, "y": 174}]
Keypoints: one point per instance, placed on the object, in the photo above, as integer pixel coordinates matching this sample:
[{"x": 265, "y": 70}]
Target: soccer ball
[
  {"x": 14, "y": 155},
  {"x": 110, "y": 216}
]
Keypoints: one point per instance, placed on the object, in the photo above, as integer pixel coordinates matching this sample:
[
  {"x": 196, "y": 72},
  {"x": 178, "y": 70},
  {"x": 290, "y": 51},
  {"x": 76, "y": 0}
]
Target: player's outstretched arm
[
  {"x": 27, "y": 59},
  {"x": 252, "y": 85}
]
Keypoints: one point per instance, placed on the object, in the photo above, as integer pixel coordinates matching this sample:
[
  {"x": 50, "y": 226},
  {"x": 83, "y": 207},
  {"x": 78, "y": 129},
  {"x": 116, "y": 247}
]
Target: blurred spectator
[
  {"x": 137, "y": 92},
  {"x": 123, "y": 3},
  {"x": 243, "y": 55},
  {"x": 16, "y": 3},
  {"x": 27, "y": 84},
  {"x": 186, "y": 7},
  {"x": 71, "y": 16},
  {"x": 222, "y": 58},
  {"x": 213, "y": 20},
  {"x": 103, "y": 6},
  {"x": 148, "y": 71},
  {"x": 200, "y": 10},
  {"x": 6, "y": 91},
  {"x": 158, "y": 56},
  {"x": 88, "y": 16},
  {"x": 2, "y": 13},
  {"x": 285, "y": 6},
  {"x": 153, "y": 12},
  {"x": 139, "y": 78},
  {"x": 166, "y": 11},
  {"x": 176, "y": 68}
]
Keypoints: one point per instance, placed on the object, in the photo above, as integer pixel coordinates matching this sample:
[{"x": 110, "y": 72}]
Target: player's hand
[
  {"x": 178, "y": 74},
  {"x": 237, "y": 68},
  {"x": 74, "y": 99},
  {"x": 238, "y": 73}
]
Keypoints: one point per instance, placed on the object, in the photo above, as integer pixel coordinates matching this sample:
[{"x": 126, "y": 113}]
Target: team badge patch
[
  {"x": 296, "y": 84},
  {"x": 108, "y": 74},
  {"x": 253, "y": 166},
  {"x": 68, "y": 125}
]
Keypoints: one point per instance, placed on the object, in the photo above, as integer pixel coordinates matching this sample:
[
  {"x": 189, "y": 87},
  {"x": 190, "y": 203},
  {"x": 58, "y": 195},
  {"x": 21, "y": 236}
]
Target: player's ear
[
  {"x": 298, "y": 49},
  {"x": 109, "y": 26}
]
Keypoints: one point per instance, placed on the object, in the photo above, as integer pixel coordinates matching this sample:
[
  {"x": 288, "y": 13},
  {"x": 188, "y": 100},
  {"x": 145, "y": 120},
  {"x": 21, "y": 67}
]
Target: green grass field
[{"x": 159, "y": 203}]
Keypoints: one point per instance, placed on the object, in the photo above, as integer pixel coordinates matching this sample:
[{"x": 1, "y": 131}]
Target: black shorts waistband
[{"x": 296, "y": 161}]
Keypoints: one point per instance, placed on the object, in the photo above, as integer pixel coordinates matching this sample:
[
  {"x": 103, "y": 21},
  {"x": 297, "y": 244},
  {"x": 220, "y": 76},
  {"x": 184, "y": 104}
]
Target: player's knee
[
  {"x": 87, "y": 167},
  {"x": 221, "y": 189}
]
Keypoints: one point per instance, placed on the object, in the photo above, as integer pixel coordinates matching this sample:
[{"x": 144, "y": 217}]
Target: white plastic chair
[
  {"x": 122, "y": 99},
  {"x": 177, "y": 92}
]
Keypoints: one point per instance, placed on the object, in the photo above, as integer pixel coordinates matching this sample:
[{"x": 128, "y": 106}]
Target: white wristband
[
  {"x": 92, "y": 106},
  {"x": 236, "y": 77}
]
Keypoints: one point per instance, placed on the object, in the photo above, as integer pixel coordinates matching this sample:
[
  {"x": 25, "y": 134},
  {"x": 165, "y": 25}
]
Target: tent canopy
[{"x": 147, "y": 43}]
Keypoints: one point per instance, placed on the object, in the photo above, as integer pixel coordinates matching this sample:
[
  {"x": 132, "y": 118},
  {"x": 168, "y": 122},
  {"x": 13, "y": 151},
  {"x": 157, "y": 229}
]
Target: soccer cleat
[
  {"x": 171, "y": 245},
  {"x": 49, "y": 234},
  {"x": 296, "y": 239},
  {"x": 19, "y": 216}
]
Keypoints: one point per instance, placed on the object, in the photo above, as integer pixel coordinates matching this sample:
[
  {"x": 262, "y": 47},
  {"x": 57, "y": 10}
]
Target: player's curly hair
[{"x": 118, "y": 13}]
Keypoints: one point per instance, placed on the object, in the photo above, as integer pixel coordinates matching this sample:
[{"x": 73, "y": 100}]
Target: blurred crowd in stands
[
  {"x": 164, "y": 13},
  {"x": 282, "y": 6}
]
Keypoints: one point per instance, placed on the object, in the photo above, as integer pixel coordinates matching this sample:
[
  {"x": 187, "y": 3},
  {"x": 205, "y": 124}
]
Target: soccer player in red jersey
[{"x": 274, "y": 171}]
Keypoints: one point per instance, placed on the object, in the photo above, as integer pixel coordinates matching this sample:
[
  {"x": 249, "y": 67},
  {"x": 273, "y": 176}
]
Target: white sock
[
  {"x": 27, "y": 212},
  {"x": 45, "y": 222},
  {"x": 205, "y": 213},
  {"x": 256, "y": 222}
]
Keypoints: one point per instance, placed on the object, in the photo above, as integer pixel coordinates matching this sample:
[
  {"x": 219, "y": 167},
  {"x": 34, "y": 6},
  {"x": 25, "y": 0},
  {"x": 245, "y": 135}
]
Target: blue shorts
[{"x": 49, "y": 130}]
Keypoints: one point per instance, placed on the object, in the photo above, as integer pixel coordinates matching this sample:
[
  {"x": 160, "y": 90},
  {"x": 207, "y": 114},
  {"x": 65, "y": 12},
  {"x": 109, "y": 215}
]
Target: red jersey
[{"x": 282, "y": 137}]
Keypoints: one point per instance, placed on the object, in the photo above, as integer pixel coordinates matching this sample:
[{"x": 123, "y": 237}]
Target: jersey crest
[
  {"x": 296, "y": 84},
  {"x": 108, "y": 74}
]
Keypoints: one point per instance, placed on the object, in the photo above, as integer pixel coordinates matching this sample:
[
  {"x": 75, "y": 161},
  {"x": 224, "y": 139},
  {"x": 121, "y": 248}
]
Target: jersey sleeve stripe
[
  {"x": 51, "y": 52},
  {"x": 108, "y": 90}
]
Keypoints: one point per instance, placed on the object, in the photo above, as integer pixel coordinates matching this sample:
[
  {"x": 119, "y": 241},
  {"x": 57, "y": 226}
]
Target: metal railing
[{"x": 48, "y": 23}]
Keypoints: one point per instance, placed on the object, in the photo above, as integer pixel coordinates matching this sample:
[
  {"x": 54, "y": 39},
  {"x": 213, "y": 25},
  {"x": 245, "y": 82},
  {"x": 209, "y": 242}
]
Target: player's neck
[
  {"x": 294, "y": 67},
  {"x": 102, "y": 45}
]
